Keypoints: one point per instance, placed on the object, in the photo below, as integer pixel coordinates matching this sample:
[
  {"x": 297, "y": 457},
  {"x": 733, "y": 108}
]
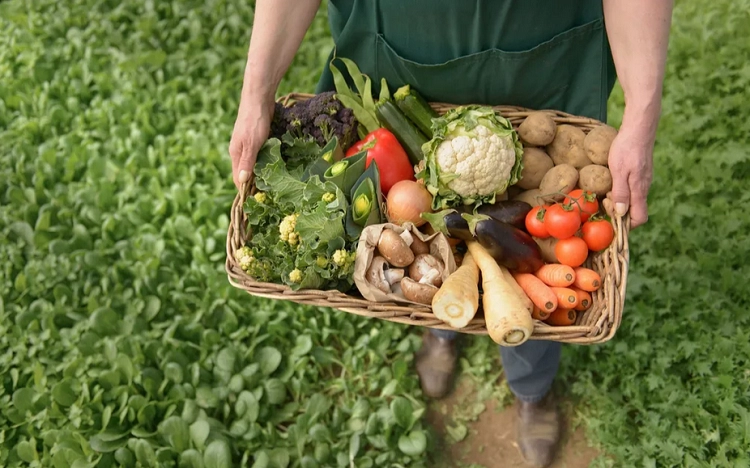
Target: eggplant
[
  {"x": 508, "y": 245},
  {"x": 512, "y": 212}
]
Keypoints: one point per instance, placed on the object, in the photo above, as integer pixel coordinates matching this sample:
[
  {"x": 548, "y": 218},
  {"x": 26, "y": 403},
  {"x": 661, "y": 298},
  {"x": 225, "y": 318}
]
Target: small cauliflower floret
[
  {"x": 483, "y": 163},
  {"x": 244, "y": 257},
  {"x": 321, "y": 261},
  {"x": 343, "y": 258},
  {"x": 286, "y": 229},
  {"x": 295, "y": 276},
  {"x": 328, "y": 197},
  {"x": 339, "y": 257},
  {"x": 293, "y": 238},
  {"x": 260, "y": 197}
]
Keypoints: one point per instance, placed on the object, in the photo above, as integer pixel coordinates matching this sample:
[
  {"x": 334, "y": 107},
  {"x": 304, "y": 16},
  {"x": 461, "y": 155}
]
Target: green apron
[{"x": 529, "y": 53}]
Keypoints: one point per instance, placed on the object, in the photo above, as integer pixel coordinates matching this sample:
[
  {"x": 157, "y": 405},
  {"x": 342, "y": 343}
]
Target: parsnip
[
  {"x": 457, "y": 301},
  {"x": 509, "y": 323}
]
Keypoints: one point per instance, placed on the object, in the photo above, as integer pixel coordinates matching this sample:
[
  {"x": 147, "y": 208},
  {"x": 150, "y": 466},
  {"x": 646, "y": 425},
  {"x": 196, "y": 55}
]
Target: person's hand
[
  {"x": 631, "y": 165},
  {"x": 250, "y": 132}
]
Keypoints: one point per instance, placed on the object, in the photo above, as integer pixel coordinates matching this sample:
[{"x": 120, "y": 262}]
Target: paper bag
[{"x": 367, "y": 250}]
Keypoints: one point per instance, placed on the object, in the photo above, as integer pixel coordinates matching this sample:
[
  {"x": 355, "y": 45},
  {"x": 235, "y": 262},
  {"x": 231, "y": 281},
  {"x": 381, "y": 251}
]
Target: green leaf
[
  {"x": 262, "y": 460},
  {"x": 105, "y": 322},
  {"x": 303, "y": 345},
  {"x": 152, "y": 308},
  {"x": 191, "y": 458},
  {"x": 145, "y": 454},
  {"x": 402, "y": 411},
  {"x": 107, "y": 442},
  {"x": 66, "y": 392},
  {"x": 206, "y": 398},
  {"x": 247, "y": 406},
  {"x": 217, "y": 455},
  {"x": 269, "y": 359},
  {"x": 176, "y": 432},
  {"x": 413, "y": 444},
  {"x": 26, "y": 451},
  {"x": 199, "y": 431},
  {"x": 125, "y": 457},
  {"x": 275, "y": 391},
  {"x": 23, "y": 399},
  {"x": 353, "y": 446}
]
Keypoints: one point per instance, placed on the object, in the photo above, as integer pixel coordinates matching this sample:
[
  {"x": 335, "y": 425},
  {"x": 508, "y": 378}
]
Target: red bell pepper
[{"x": 393, "y": 162}]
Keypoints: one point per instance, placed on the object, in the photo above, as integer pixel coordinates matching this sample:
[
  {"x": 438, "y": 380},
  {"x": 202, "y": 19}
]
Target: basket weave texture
[{"x": 596, "y": 325}]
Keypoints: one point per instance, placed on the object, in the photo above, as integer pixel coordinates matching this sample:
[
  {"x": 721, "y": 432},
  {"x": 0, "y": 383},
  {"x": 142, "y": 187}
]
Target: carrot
[
  {"x": 587, "y": 279},
  {"x": 562, "y": 317},
  {"x": 457, "y": 300},
  {"x": 539, "y": 293},
  {"x": 556, "y": 274},
  {"x": 519, "y": 291},
  {"x": 539, "y": 314},
  {"x": 508, "y": 321},
  {"x": 566, "y": 297},
  {"x": 584, "y": 299}
]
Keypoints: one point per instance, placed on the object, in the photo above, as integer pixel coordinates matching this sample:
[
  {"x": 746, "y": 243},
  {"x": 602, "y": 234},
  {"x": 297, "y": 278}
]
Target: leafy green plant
[{"x": 122, "y": 344}]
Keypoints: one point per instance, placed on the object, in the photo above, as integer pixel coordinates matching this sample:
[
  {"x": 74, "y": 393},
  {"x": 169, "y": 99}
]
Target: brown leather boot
[
  {"x": 436, "y": 364},
  {"x": 538, "y": 431}
]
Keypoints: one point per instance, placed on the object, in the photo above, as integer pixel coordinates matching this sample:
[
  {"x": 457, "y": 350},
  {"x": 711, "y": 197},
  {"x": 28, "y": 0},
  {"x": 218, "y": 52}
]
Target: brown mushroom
[
  {"x": 418, "y": 246},
  {"x": 418, "y": 292},
  {"x": 428, "y": 268},
  {"x": 376, "y": 274},
  {"x": 394, "y": 249},
  {"x": 394, "y": 275}
]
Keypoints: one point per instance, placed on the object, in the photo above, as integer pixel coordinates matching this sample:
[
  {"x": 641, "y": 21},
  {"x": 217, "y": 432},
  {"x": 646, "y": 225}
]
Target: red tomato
[
  {"x": 572, "y": 251},
  {"x": 383, "y": 148},
  {"x": 598, "y": 234},
  {"x": 535, "y": 222},
  {"x": 561, "y": 221},
  {"x": 583, "y": 202}
]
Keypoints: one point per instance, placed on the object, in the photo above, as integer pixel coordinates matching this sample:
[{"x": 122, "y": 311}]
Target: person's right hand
[{"x": 250, "y": 132}]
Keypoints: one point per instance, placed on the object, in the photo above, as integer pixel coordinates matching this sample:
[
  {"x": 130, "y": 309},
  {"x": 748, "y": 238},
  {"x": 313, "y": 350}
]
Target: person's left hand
[{"x": 631, "y": 164}]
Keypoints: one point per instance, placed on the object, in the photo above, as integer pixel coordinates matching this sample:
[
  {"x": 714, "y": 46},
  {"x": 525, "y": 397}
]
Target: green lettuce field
[{"x": 123, "y": 344}]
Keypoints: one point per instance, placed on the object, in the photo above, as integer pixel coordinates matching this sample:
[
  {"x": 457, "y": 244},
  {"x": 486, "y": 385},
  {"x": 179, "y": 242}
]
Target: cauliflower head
[
  {"x": 287, "y": 227},
  {"x": 474, "y": 155}
]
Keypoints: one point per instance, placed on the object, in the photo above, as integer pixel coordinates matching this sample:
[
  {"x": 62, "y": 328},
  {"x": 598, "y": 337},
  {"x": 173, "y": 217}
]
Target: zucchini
[
  {"x": 413, "y": 105},
  {"x": 402, "y": 128}
]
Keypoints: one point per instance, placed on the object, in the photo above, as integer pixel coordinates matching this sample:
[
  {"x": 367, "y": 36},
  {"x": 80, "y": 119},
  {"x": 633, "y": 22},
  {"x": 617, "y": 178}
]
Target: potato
[
  {"x": 595, "y": 178},
  {"x": 559, "y": 179},
  {"x": 567, "y": 147},
  {"x": 536, "y": 163},
  {"x": 532, "y": 197},
  {"x": 513, "y": 191},
  {"x": 547, "y": 249},
  {"x": 538, "y": 129},
  {"x": 597, "y": 143}
]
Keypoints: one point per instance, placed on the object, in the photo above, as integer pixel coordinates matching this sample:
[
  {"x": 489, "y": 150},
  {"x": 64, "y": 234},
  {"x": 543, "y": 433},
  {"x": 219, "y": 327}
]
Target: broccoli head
[{"x": 320, "y": 118}]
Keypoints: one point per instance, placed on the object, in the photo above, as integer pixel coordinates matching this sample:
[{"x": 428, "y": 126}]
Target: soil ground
[{"x": 490, "y": 439}]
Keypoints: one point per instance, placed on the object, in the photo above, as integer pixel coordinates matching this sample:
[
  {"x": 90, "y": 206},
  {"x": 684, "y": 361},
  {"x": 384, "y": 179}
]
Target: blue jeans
[{"x": 529, "y": 368}]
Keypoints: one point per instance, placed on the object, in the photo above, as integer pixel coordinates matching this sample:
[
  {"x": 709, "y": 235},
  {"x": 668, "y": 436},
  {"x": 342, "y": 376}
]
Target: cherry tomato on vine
[
  {"x": 572, "y": 251},
  {"x": 561, "y": 221},
  {"x": 598, "y": 234},
  {"x": 583, "y": 202},
  {"x": 535, "y": 222}
]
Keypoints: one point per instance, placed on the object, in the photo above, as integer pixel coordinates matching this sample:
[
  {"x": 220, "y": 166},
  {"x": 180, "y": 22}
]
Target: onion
[{"x": 406, "y": 201}]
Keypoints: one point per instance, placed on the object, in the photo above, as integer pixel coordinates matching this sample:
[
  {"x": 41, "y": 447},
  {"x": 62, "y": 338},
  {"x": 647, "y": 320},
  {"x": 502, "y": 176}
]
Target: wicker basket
[{"x": 598, "y": 324}]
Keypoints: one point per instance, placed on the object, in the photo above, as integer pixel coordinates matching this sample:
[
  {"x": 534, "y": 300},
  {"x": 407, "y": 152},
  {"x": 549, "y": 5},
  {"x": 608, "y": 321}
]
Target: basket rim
[{"x": 617, "y": 253}]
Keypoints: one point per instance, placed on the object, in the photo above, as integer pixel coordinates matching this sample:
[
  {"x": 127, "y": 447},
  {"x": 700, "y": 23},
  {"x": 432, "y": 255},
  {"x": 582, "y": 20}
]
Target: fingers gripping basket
[{"x": 596, "y": 325}]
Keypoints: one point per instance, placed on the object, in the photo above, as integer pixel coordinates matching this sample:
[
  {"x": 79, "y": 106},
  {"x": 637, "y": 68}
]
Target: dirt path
[{"x": 489, "y": 439}]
